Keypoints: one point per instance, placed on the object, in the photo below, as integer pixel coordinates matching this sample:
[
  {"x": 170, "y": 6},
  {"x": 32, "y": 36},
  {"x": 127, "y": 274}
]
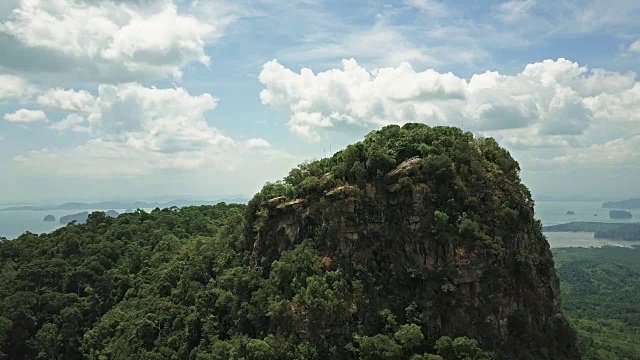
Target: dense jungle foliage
[
  {"x": 171, "y": 284},
  {"x": 600, "y": 292},
  {"x": 186, "y": 283}
]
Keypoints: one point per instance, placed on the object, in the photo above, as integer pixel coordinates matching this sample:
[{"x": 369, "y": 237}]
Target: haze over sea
[{"x": 14, "y": 223}]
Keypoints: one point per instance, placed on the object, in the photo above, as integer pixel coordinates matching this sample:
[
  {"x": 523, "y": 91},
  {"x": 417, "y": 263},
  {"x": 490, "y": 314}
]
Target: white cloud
[
  {"x": 379, "y": 44},
  {"x": 13, "y": 87},
  {"x": 598, "y": 15},
  {"x": 527, "y": 138},
  {"x": 110, "y": 40},
  {"x": 429, "y": 7},
  {"x": 68, "y": 100},
  {"x": 257, "y": 143},
  {"x": 622, "y": 107},
  {"x": 556, "y": 116},
  {"x": 163, "y": 120},
  {"x": 553, "y": 97},
  {"x": 516, "y": 9},
  {"x": 139, "y": 131},
  {"x": 355, "y": 97},
  {"x": 72, "y": 122},
  {"x": 621, "y": 154},
  {"x": 26, "y": 116},
  {"x": 634, "y": 47}
]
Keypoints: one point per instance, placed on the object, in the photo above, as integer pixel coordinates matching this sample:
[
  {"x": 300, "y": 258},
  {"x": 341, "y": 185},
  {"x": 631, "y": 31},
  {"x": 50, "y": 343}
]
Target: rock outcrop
[
  {"x": 624, "y": 204},
  {"x": 49, "y": 218},
  {"x": 451, "y": 241}
]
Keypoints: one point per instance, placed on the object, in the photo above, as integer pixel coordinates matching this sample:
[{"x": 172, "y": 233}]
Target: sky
[{"x": 111, "y": 99}]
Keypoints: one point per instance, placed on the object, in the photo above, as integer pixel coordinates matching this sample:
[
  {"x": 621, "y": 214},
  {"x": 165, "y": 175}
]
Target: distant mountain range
[{"x": 106, "y": 205}]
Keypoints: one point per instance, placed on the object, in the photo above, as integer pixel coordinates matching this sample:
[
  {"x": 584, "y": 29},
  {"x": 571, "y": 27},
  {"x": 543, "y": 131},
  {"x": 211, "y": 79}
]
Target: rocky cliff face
[{"x": 452, "y": 246}]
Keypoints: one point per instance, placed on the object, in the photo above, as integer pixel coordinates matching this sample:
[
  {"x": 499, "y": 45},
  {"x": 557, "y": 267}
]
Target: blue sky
[{"x": 110, "y": 99}]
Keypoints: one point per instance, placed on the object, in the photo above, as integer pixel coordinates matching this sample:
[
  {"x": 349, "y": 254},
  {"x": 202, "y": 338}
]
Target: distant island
[
  {"x": 620, "y": 214},
  {"x": 80, "y": 218},
  {"x": 570, "y": 212},
  {"x": 106, "y": 205},
  {"x": 49, "y": 218},
  {"x": 629, "y": 231},
  {"x": 624, "y": 204},
  {"x": 580, "y": 226}
]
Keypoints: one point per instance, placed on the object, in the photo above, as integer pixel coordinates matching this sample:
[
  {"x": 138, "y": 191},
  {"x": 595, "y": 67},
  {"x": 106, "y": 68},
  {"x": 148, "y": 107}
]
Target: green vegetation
[
  {"x": 416, "y": 243},
  {"x": 173, "y": 284},
  {"x": 623, "y": 232},
  {"x": 600, "y": 291},
  {"x": 628, "y": 231}
]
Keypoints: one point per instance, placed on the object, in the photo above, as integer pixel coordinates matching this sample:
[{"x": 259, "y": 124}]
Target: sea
[
  {"x": 555, "y": 212},
  {"x": 14, "y": 223}
]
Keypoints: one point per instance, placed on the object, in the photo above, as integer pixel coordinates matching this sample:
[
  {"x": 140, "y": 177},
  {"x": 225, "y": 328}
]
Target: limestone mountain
[
  {"x": 415, "y": 243},
  {"x": 429, "y": 226}
]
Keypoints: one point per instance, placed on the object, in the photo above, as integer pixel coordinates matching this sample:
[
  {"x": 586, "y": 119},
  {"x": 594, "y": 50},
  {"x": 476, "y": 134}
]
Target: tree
[
  {"x": 378, "y": 347},
  {"x": 409, "y": 336},
  {"x": 47, "y": 342}
]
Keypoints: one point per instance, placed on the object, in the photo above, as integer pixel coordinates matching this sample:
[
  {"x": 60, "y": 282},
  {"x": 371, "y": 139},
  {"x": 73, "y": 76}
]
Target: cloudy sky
[{"x": 111, "y": 98}]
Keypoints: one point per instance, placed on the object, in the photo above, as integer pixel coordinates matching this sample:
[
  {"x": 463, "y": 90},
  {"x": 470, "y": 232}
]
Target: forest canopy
[{"x": 202, "y": 283}]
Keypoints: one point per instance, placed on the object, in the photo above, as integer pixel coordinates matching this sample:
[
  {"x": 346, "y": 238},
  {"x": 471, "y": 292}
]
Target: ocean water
[
  {"x": 14, "y": 223},
  {"x": 583, "y": 239},
  {"x": 555, "y": 212}
]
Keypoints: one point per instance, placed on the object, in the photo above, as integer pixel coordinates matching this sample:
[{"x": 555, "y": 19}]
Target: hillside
[
  {"x": 430, "y": 220},
  {"x": 414, "y": 242},
  {"x": 600, "y": 290}
]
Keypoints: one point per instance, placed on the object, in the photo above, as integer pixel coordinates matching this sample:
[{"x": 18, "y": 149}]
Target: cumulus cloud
[
  {"x": 552, "y": 97},
  {"x": 13, "y": 87},
  {"x": 26, "y": 116},
  {"x": 634, "y": 47},
  {"x": 555, "y": 116},
  {"x": 354, "y": 96},
  {"x": 140, "y": 131},
  {"x": 108, "y": 40},
  {"x": 145, "y": 118},
  {"x": 163, "y": 120},
  {"x": 68, "y": 100},
  {"x": 620, "y": 155},
  {"x": 72, "y": 122},
  {"x": 257, "y": 143}
]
